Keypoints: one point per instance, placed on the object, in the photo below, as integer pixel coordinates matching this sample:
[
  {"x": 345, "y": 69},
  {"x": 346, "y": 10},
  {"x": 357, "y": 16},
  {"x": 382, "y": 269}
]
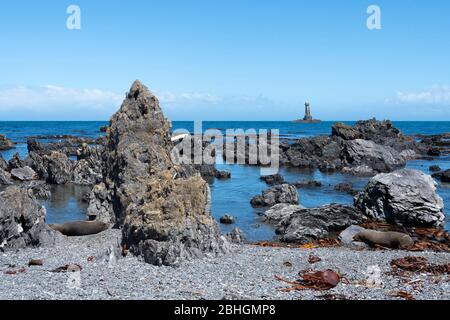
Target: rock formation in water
[
  {"x": 282, "y": 193},
  {"x": 5, "y": 143},
  {"x": 162, "y": 208},
  {"x": 405, "y": 197}
]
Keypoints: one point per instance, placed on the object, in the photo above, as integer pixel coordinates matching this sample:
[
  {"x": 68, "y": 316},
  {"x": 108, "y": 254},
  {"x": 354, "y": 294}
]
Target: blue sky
[{"x": 226, "y": 60}]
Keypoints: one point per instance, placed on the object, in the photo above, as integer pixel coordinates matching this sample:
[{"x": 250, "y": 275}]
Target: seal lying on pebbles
[
  {"x": 394, "y": 240},
  {"x": 80, "y": 228}
]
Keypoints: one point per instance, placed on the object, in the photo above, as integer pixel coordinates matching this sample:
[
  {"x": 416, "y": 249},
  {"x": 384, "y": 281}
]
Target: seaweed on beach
[
  {"x": 313, "y": 280},
  {"x": 419, "y": 264},
  {"x": 321, "y": 243}
]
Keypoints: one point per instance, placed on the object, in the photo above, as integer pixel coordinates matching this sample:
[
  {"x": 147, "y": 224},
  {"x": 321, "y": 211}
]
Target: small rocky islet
[{"x": 163, "y": 235}]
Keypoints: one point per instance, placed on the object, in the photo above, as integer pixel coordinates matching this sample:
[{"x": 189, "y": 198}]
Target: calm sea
[{"x": 232, "y": 196}]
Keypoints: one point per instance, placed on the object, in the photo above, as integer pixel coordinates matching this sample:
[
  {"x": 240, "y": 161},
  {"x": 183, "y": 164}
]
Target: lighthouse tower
[{"x": 308, "y": 116}]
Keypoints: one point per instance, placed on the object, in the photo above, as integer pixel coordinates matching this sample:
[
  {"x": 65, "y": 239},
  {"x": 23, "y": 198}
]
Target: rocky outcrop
[
  {"x": 405, "y": 197},
  {"x": 308, "y": 184},
  {"x": 163, "y": 209},
  {"x": 280, "y": 211},
  {"x": 284, "y": 193},
  {"x": 346, "y": 187},
  {"x": 15, "y": 162},
  {"x": 24, "y": 174},
  {"x": 273, "y": 179},
  {"x": 444, "y": 176},
  {"x": 308, "y": 225},
  {"x": 5, "y": 143},
  {"x": 223, "y": 175},
  {"x": 22, "y": 221},
  {"x": 88, "y": 170},
  {"x": 66, "y": 144},
  {"x": 39, "y": 189},
  {"x": 5, "y": 177},
  {"x": 227, "y": 219},
  {"x": 367, "y": 153},
  {"x": 345, "y": 132},
  {"x": 58, "y": 167}
]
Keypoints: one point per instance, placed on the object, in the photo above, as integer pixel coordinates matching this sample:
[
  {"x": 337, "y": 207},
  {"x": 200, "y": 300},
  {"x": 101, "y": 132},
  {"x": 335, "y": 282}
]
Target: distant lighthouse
[{"x": 308, "y": 115}]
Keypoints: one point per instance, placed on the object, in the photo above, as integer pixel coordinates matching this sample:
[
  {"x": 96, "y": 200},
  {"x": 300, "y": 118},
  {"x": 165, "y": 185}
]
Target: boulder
[
  {"x": 405, "y": 197},
  {"x": 3, "y": 163},
  {"x": 434, "y": 169},
  {"x": 163, "y": 209},
  {"x": 222, "y": 175},
  {"x": 273, "y": 179},
  {"x": 22, "y": 221},
  {"x": 345, "y": 187},
  {"x": 281, "y": 211},
  {"x": 58, "y": 167},
  {"x": 24, "y": 174},
  {"x": 227, "y": 219},
  {"x": 100, "y": 205},
  {"x": 36, "y": 162},
  {"x": 283, "y": 193},
  {"x": 346, "y": 237},
  {"x": 88, "y": 170},
  {"x": 444, "y": 176},
  {"x": 306, "y": 225},
  {"x": 379, "y": 158},
  {"x": 308, "y": 184},
  {"x": 5, "y": 143}
]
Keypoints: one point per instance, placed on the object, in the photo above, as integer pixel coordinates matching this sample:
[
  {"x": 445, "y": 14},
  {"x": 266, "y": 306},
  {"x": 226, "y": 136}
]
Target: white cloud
[
  {"x": 50, "y": 96},
  {"x": 437, "y": 95}
]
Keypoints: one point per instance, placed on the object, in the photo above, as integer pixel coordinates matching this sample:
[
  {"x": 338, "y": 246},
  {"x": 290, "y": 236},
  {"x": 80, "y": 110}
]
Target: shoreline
[{"x": 248, "y": 272}]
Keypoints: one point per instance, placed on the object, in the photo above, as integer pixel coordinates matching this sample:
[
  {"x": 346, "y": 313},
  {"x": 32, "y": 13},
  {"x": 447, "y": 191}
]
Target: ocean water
[{"x": 230, "y": 196}]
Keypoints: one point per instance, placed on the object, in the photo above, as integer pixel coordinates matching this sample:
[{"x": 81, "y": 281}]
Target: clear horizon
[{"x": 234, "y": 60}]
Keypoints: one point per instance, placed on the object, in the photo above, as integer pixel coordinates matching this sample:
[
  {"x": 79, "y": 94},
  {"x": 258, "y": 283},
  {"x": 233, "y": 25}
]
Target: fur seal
[
  {"x": 395, "y": 240},
  {"x": 80, "y": 228}
]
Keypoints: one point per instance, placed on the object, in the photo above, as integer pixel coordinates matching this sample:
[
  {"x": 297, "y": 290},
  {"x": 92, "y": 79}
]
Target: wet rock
[
  {"x": 24, "y": 174},
  {"x": 273, "y": 179},
  {"x": 283, "y": 193},
  {"x": 22, "y": 221},
  {"x": 58, "y": 167},
  {"x": 345, "y": 187},
  {"x": 307, "y": 225},
  {"x": 223, "y": 175},
  {"x": 227, "y": 219},
  {"x": 36, "y": 162},
  {"x": 434, "y": 169},
  {"x": 405, "y": 197},
  {"x": 100, "y": 205},
  {"x": 360, "y": 171},
  {"x": 308, "y": 184},
  {"x": 379, "y": 158},
  {"x": 5, "y": 143},
  {"x": 164, "y": 209},
  {"x": 281, "y": 211},
  {"x": 236, "y": 236},
  {"x": 444, "y": 176},
  {"x": 434, "y": 152}
]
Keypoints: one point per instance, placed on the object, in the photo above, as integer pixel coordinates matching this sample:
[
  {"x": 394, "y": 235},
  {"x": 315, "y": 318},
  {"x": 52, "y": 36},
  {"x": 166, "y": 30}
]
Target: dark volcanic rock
[
  {"x": 164, "y": 209},
  {"x": 346, "y": 187},
  {"x": 3, "y": 164},
  {"x": 405, "y": 197},
  {"x": 222, "y": 175},
  {"x": 88, "y": 169},
  {"x": 40, "y": 190},
  {"x": 308, "y": 184},
  {"x": 444, "y": 176},
  {"x": 5, "y": 143},
  {"x": 434, "y": 169},
  {"x": 22, "y": 221},
  {"x": 58, "y": 167},
  {"x": 236, "y": 236},
  {"x": 227, "y": 219},
  {"x": 281, "y": 211},
  {"x": 345, "y": 132},
  {"x": 273, "y": 179},
  {"x": 283, "y": 193},
  {"x": 307, "y": 225}
]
